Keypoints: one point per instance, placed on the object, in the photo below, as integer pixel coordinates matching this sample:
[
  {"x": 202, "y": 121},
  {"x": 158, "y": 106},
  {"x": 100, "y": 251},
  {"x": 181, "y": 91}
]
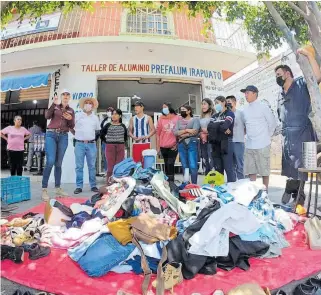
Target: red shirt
[{"x": 57, "y": 120}]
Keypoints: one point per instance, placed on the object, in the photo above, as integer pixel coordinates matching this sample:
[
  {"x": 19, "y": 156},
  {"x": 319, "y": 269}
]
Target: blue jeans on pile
[
  {"x": 55, "y": 146},
  {"x": 88, "y": 150},
  {"x": 188, "y": 155},
  {"x": 104, "y": 254},
  {"x": 238, "y": 154}
]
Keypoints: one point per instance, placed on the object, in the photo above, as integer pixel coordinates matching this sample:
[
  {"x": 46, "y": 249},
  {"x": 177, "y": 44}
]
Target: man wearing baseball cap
[
  {"x": 260, "y": 125},
  {"x": 141, "y": 129},
  {"x": 86, "y": 125}
]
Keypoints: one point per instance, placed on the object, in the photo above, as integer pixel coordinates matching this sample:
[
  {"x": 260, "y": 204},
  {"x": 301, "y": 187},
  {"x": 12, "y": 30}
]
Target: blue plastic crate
[{"x": 15, "y": 189}]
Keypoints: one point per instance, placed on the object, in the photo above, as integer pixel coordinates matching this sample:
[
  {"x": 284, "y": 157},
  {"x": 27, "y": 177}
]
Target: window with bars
[{"x": 148, "y": 21}]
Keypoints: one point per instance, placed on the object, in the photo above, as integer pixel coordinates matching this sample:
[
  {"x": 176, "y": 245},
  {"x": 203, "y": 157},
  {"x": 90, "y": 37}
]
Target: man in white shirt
[
  {"x": 86, "y": 125},
  {"x": 260, "y": 125}
]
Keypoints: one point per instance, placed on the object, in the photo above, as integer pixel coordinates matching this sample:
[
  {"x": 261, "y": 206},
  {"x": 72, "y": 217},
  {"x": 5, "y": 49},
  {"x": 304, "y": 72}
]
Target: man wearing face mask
[
  {"x": 86, "y": 125},
  {"x": 294, "y": 107}
]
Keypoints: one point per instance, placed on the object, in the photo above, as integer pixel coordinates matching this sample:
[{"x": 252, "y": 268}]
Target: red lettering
[
  {"x": 88, "y": 68},
  {"x": 121, "y": 68},
  {"x": 134, "y": 68}
]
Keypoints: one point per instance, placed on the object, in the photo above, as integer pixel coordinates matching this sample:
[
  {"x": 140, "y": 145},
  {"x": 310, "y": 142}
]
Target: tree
[{"x": 35, "y": 9}]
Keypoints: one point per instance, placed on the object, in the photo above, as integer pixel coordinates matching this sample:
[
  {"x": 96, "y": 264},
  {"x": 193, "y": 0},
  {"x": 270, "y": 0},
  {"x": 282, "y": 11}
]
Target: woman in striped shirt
[{"x": 114, "y": 134}]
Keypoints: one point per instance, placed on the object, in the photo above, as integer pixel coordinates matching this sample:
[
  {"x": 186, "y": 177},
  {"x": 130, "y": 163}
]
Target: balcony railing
[
  {"x": 231, "y": 35},
  {"x": 111, "y": 20}
]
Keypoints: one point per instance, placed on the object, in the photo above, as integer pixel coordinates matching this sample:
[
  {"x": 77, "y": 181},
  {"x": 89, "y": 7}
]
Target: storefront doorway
[{"x": 153, "y": 93}]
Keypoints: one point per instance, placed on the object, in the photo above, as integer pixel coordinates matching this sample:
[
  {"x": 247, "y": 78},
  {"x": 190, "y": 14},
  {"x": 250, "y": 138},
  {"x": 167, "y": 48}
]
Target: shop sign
[
  {"x": 156, "y": 69},
  {"x": 79, "y": 95},
  {"x": 56, "y": 82},
  {"x": 26, "y": 27}
]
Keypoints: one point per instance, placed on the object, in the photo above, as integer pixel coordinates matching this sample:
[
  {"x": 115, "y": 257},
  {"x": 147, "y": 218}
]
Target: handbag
[{"x": 148, "y": 230}]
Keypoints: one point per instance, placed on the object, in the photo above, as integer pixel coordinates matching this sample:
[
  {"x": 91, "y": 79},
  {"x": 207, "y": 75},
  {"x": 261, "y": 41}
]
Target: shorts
[{"x": 257, "y": 161}]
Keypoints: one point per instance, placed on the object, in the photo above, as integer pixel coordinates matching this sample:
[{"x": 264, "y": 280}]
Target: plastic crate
[{"x": 15, "y": 189}]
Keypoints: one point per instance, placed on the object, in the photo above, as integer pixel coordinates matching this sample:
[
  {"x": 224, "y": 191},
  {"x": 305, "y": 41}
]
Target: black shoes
[
  {"x": 36, "y": 251},
  {"x": 311, "y": 287},
  {"x": 95, "y": 189},
  {"x": 77, "y": 191},
  {"x": 15, "y": 254}
]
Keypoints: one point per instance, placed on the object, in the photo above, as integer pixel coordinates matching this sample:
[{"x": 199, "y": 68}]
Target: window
[{"x": 148, "y": 21}]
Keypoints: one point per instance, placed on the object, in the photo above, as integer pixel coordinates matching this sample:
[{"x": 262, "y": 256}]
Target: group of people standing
[{"x": 229, "y": 140}]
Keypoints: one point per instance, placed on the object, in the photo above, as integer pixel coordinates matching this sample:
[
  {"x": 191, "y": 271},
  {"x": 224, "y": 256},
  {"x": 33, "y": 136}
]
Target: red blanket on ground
[{"x": 58, "y": 274}]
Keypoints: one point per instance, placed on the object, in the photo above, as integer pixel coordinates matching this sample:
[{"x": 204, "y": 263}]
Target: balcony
[{"x": 114, "y": 20}]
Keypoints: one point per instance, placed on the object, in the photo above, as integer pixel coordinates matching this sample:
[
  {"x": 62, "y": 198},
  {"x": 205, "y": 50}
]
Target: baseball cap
[
  {"x": 65, "y": 91},
  {"x": 139, "y": 104},
  {"x": 250, "y": 88}
]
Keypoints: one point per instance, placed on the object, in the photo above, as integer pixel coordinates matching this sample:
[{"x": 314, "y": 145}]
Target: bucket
[
  {"x": 149, "y": 162},
  {"x": 309, "y": 155}
]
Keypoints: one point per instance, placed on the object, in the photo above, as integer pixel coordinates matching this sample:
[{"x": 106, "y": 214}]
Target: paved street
[{"x": 277, "y": 184}]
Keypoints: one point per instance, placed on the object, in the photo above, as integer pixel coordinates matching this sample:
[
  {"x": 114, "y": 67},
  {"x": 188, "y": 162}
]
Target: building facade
[{"x": 118, "y": 57}]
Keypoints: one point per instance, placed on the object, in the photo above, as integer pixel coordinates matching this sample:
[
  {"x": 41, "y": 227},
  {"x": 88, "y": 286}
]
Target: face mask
[
  {"x": 165, "y": 111},
  {"x": 280, "y": 81},
  {"x": 183, "y": 114},
  {"x": 218, "y": 108},
  {"x": 88, "y": 107},
  {"x": 108, "y": 114},
  {"x": 229, "y": 106}
]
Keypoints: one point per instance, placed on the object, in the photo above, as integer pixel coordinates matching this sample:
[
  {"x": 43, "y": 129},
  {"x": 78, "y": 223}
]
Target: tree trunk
[
  {"x": 314, "y": 26},
  {"x": 313, "y": 6},
  {"x": 305, "y": 66}
]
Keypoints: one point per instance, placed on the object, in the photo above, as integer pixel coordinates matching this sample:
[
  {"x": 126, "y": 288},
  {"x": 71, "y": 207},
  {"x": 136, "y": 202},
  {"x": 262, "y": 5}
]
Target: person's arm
[
  {"x": 151, "y": 128},
  {"x": 228, "y": 121},
  {"x": 314, "y": 64},
  {"x": 3, "y": 133},
  {"x": 50, "y": 112},
  {"x": 70, "y": 119},
  {"x": 158, "y": 133},
  {"x": 178, "y": 132},
  {"x": 195, "y": 128},
  {"x": 130, "y": 129},
  {"x": 270, "y": 119},
  {"x": 103, "y": 122},
  {"x": 27, "y": 134},
  {"x": 125, "y": 134}
]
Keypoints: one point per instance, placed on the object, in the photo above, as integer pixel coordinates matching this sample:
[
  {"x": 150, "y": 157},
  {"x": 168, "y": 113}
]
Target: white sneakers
[
  {"x": 59, "y": 193},
  {"x": 45, "y": 197}
]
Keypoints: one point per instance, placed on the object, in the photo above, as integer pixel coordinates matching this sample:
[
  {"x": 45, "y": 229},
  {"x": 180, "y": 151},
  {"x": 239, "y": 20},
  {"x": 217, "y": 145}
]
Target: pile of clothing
[{"x": 141, "y": 224}]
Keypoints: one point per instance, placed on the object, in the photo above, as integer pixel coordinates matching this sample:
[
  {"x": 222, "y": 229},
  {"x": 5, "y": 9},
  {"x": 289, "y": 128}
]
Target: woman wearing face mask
[
  {"x": 166, "y": 140},
  {"x": 15, "y": 137},
  {"x": 62, "y": 118},
  {"x": 114, "y": 134},
  {"x": 206, "y": 148},
  {"x": 106, "y": 120},
  {"x": 187, "y": 131},
  {"x": 220, "y": 131}
]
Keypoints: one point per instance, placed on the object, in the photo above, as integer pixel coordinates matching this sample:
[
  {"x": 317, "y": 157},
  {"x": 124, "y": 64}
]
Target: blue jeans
[
  {"x": 103, "y": 153},
  {"x": 88, "y": 150},
  {"x": 188, "y": 155},
  {"x": 238, "y": 153},
  {"x": 55, "y": 146},
  {"x": 104, "y": 254},
  {"x": 207, "y": 157}
]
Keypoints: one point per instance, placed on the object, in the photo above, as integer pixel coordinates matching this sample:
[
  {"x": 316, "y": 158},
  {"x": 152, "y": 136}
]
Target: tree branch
[
  {"x": 298, "y": 10},
  {"x": 282, "y": 25},
  {"x": 316, "y": 11}
]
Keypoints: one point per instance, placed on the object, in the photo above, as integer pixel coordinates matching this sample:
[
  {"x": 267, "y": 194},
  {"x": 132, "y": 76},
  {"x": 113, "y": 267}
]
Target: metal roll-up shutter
[{"x": 38, "y": 93}]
